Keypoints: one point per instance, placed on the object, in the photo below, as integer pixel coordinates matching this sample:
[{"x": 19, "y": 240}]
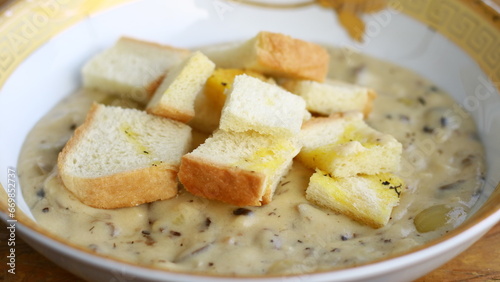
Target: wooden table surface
[{"x": 481, "y": 262}]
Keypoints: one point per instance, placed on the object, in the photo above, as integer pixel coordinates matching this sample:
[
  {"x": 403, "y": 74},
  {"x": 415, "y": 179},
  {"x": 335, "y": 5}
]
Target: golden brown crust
[
  {"x": 369, "y": 103},
  {"x": 119, "y": 190},
  {"x": 227, "y": 184},
  {"x": 170, "y": 112},
  {"x": 268, "y": 196},
  {"x": 125, "y": 189},
  {"x": 284, "y": 56},
  {"x": 77, "y": 136},
  {"x": 153, "y": 85},
  {"x": 156, "y": 45}
]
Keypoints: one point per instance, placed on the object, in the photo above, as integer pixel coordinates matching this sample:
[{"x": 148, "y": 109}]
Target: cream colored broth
[{"x": 442, "y": 164}]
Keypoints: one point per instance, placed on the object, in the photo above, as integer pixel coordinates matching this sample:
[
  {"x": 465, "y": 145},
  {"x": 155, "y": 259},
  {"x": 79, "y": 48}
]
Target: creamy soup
[{"x": 442, "y": 165}]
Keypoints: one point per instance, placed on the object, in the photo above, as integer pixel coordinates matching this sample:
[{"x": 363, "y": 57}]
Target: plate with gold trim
[{"x": 453, "y": 43}]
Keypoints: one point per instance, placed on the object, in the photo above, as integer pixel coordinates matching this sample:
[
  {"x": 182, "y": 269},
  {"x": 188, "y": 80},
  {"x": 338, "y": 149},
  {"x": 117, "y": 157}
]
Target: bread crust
[
  {"x": 126, "y": 189},
  {"x": 154, "y": 44},
  {"x": 225, "y": 183},
  {"x": 285, "y": 56},
  {"x": 77, "y": 136},
  {"x": 153, "y": 85},
  {"x": 170, "y": 112},
  {"x": 369, "y": 103}
]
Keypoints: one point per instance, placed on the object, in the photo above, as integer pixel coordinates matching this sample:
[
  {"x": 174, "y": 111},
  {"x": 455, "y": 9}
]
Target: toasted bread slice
[
  {"x": 239, "y": 168},
  {"x": 259, "y": 106},
  {"x": 344, "y": 145},
  {"x": 175, "y": 97},
  {"x": 131, "y": 68},
  {"x": 123, "y": 157},
  {"x": 368, "y": 199},
  {"x": 332, "y": 96},
  {"x": 276, "y": 55},
  {"x": 208, "y": 104}
]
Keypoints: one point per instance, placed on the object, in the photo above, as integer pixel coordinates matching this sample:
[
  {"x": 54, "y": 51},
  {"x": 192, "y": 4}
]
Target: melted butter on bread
[{"x": 368, "y": 199}]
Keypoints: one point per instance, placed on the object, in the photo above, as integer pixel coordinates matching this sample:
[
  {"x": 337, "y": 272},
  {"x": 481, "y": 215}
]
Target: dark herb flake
[
  {"x": 396, "y": 189},
  {"x": 422, "y": 101},
  {"x": 41, "y": 193},
  {"x": 428, "y": 129},
  {"x": 242, "y": 211},
  {"x": 175, "y": 233}
]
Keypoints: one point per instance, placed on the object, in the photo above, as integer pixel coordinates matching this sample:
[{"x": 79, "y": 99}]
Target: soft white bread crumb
[
  {"x": 344, "y": 145},
  {"x": 256, "y": 105},
  {"x": 175, "y": 96},
  {"x": 131, "y": 68},
  {"x": 239, "y": 168},
  {"x": 274, "y": 54},
  {"x": 123, "y": 157},
  {"x": 332, "y": 96},
  {"x": 368, "y": 199}
]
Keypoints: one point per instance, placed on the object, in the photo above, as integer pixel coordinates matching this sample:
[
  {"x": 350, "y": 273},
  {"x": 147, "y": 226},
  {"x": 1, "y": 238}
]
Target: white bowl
[{"x": 44, "y": 46}]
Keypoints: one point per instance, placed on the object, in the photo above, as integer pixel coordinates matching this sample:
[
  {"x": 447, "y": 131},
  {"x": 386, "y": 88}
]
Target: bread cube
[
  {"x": 368, "y": 199},
  {"x": 123, "y": 157},
  {"x": 259, "y": 106},
  {"x": 274, "y": 54},
  {"x": 131, "y": 68},
  {"x": 344, "y": 146},
  {"x": 239, "y": 168},
  {"x": 332, "y": 96},
  {"x": 176, "y": 95}
]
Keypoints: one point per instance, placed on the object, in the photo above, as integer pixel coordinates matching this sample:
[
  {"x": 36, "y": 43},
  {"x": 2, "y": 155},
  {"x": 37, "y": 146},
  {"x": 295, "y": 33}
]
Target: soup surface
[{"x": 442, "y": 165}]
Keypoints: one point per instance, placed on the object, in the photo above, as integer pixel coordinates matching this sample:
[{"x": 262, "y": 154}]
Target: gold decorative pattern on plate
[
  {"x": 25, "y": 25},
  {"x": 473, "y": 25}
]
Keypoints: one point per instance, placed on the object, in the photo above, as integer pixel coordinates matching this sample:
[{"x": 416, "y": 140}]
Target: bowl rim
[{"x": 483, "y": 9}]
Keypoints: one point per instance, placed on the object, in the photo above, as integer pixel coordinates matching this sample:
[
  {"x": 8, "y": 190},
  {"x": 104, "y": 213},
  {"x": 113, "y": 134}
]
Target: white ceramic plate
[{"x": 37, "y": 73}]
